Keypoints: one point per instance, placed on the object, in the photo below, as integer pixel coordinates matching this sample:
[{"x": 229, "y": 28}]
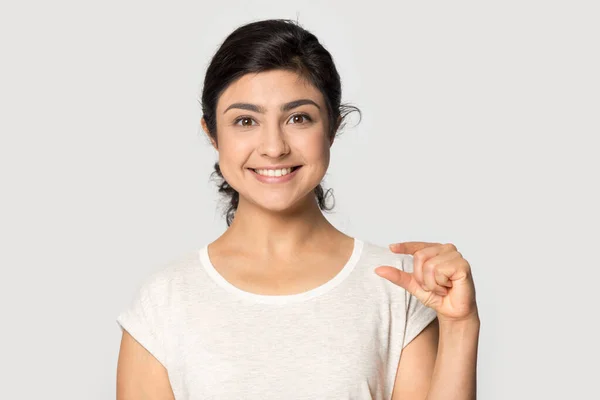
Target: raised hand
[{"x": 441, "y": 279}]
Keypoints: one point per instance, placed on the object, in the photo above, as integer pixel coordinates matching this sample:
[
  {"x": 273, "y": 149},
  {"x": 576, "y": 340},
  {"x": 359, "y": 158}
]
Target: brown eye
[
  {"x": 300, "y": 118},
  {"x": 245, "y": 121}
]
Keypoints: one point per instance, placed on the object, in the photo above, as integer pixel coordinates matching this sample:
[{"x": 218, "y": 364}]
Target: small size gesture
[{"x": 441, "y": 279}]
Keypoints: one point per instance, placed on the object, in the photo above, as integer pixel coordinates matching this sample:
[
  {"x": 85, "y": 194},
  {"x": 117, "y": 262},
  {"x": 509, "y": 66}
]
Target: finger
[
  {"x": 431, "y": 284},
  {"x": 418, "y": 269},
  {"x": 410, "y": 247},
  {"x": 442, "y": 279},
  {"x": 429, "y": 277},
  {"x": 420, "y": 258},
  {"x": 444, "y": 257},
  {"x": 403, "y": 279},
  {"x": 434, "y": 278},
  {"x": 455, "y": 270}
]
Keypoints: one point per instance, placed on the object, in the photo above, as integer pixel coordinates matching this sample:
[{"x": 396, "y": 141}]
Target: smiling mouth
[{"x": 292, "y": 170}]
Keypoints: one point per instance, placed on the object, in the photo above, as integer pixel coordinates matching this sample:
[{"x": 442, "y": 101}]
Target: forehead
[{"x": 269, "y": 89}]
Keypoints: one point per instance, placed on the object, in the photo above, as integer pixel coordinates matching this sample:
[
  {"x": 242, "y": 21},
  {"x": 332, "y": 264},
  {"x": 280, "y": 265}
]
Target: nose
[{"x": 273, "y": 142}]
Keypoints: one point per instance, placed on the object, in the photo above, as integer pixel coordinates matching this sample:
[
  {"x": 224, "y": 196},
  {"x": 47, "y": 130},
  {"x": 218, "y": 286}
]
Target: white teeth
[{"x": 273, "y": 172}]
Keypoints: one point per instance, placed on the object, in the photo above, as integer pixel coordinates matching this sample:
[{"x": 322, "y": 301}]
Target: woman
[{"x": 283, "y": 305}]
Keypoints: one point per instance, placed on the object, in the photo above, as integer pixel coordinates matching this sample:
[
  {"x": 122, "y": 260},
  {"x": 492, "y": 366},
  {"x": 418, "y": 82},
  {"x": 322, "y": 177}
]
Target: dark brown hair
[{"x": 268, "y": 45}]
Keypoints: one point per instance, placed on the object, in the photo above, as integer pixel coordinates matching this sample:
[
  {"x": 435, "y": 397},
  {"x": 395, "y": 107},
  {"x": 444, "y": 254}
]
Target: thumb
[{"x": 403, "y": 279}]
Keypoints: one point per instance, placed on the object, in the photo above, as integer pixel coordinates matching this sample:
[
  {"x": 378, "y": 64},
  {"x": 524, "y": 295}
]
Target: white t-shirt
[{"x": 341, "y": 340}]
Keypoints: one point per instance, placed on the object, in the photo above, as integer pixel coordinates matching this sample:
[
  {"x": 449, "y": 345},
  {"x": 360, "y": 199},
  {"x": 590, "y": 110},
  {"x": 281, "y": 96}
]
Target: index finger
[{"x": 410, "y": 247}]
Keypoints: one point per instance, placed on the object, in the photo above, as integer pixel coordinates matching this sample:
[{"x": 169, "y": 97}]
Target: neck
[{"x": 275, "y": 233}]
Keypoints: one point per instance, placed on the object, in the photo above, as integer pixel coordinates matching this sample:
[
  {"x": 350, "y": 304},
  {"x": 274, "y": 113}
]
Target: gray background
[{"x": 480, "y": 128}]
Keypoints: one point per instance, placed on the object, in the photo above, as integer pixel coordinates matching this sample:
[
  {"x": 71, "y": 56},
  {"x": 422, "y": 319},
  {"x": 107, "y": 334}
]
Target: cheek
[
  {"x": 233, "y": 155},
  {"x": 232, "y": 150},
  {"x": 316, "y": 149}
]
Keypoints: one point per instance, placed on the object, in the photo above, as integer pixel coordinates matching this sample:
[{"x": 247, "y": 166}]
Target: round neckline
[{"x": 287, "y": 298}]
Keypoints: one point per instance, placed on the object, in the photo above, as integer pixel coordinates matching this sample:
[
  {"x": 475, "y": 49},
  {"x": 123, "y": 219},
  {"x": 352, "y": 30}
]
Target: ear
[
  {"x": 337, "y": 125},
  {"x": 205, "y": 129}
]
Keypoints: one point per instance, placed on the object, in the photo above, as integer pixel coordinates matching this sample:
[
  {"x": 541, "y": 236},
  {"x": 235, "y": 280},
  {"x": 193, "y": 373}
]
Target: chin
[{"x": 279, "y": 205}]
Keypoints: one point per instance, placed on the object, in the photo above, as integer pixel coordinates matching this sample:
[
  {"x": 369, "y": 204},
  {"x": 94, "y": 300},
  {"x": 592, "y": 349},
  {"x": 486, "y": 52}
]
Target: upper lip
[{"x": 276, "y": 166}]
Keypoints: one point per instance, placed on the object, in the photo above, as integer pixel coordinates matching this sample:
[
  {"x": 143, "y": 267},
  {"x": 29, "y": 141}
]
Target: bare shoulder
[
  {"x": 140, "y": 376},
  {"x": 417, "y": 361}
]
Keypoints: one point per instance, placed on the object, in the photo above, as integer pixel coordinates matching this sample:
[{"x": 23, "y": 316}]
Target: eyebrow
[{"x": 284, "y": 107}]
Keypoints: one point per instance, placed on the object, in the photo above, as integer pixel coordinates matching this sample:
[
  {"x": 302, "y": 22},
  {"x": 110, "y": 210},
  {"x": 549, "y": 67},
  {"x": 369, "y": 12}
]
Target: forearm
[{"x": 455, "y": 372}]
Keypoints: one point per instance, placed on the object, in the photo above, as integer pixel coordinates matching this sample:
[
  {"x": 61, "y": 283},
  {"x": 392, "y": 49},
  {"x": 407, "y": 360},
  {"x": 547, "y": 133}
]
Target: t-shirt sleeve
[
  {"x": 418, "y": 315},
  {"x": 141, "y": 319}
]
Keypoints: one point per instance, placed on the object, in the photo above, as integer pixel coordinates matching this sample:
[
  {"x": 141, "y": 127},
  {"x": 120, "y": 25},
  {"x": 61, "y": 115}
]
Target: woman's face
[{"x": 270, "y": 120}]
